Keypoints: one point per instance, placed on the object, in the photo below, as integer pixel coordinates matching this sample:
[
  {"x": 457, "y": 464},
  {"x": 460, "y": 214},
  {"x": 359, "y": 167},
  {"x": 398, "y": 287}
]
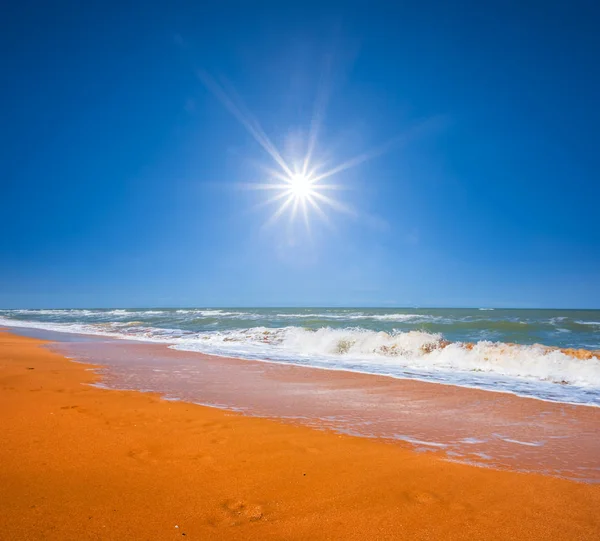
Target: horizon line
[{"x": 287, "y": 307}]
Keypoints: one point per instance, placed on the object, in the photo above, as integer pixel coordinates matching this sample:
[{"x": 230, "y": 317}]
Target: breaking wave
[
  {"x": 412, "y": 349},
  {"x": 534, "y": 370},
  {"x": 359, "y": 315}
]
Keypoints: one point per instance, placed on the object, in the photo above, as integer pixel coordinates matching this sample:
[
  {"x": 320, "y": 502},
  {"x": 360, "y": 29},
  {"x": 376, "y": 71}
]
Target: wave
[
  {"x": 358, "y": 315},
  {"x": 56, "y": 312},
  {"x": 235, "y": 314},
  {"x": 476, "y": 325},
  {"x": 85, "y": 312},
  {"x": 122, "y": 313},
  {"x": 412, "y": 349},
  {"x": 401, "y": 317},
  {"x": 212, "y": 313},
  {"x": 391, "y": 353}
]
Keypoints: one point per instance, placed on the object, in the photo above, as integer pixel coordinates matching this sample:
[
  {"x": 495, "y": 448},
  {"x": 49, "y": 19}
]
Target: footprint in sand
[
  {"x": 238, "y": 512},
  {"x": 422, "y": 497},
  {"x": 143, "y": 455}
]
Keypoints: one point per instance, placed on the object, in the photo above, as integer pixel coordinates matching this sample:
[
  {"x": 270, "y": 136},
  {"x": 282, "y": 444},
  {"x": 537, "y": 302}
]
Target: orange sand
[{"x": 78, "y": 462}]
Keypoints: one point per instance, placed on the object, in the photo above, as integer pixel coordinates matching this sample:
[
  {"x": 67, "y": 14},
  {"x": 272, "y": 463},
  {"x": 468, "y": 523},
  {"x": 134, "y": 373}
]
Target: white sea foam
[
  {"x": 326, "y": 315},
  {"x": 412, "y": 349},
  {"x": 121, "y": 313},
  {"x": 57, "y": 312},
  {"x": 351, "y": 316},
  {"x": 400, "y": 317},
  {"x": 211, "y": 312},
  {"x": 526, "y": 443},
  {"x": 425, "y": 354}
]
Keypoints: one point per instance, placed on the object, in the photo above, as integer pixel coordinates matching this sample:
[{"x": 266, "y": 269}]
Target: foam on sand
[{"x": 567, "y": 375}]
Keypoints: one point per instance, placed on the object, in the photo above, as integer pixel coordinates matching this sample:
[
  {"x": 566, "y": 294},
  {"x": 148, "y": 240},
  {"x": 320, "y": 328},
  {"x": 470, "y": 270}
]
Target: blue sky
[{"x": 121, "y": 172}]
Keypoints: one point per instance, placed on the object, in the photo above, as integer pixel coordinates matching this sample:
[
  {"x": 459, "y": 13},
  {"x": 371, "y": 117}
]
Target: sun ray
[
  {"x": 302, "y": 195},
  {"x": 409, "y": 134},
  {"x": 298, "y": 183},
  {"x": 294, "y": 208},
  {"x": 263, "y": 186},
  {"x": 279, "y": 211},
  {"x": 278, "y": 175},
  {"x": 305, "y": 213},
  {"x": 322, "y": 187},
  {"x": 248, "y": 121},
  {"x": 319, "y": 211},
  {"x": 273, "y": 199},
  {"x": 333, "y": 203},
  {"x": 357, "y": 160},
  {"x": 318, "y": 114}
]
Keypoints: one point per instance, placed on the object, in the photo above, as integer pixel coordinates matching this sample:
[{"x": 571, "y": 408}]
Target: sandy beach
[
  {"x": 78, "y": 462},
  {"x": 300, "y": 271}
]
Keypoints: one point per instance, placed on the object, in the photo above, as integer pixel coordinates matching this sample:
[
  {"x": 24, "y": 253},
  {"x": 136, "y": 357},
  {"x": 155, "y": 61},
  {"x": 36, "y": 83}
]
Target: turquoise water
[
  {"x": 510, "y": 350},
  {"x": 562, "y": 328}
]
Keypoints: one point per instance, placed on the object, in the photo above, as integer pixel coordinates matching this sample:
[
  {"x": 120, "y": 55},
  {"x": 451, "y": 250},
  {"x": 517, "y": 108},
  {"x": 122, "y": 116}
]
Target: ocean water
[{"x": 515, "y": 351}]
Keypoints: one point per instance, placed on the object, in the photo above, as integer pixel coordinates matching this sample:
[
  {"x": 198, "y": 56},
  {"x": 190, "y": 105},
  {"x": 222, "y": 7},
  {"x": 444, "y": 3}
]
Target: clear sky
[{"x": 123, "y": 174}]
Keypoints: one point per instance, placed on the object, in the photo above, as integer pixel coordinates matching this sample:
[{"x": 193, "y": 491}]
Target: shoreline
[
  {"x": 381, "y": 375},
  {"x": 82, "y": 462},
  {"x": 462, "y": 423},
  {"x": 576, "y": 353}
]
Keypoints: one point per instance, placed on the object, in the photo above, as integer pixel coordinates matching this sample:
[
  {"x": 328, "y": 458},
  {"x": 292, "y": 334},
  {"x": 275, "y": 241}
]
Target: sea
[{"x": 525, "y": 352}]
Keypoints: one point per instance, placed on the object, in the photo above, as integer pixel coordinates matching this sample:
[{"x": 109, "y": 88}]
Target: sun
[
  {"x": 300, "y": 186},
  {"x": 299, "y": 190},
  {"x": 297, "y": 181}
]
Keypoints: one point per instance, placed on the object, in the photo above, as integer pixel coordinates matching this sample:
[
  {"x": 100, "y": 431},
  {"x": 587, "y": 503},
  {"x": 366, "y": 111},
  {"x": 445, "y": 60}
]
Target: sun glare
[
  {"x": 300, "y": 186},
  {"x": 298, "y": 192}
]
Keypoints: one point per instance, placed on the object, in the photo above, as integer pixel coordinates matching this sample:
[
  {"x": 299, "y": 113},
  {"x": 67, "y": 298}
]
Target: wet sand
[
  {"x": 495, "y": 429},
  {"x": 78, "y": 462}
]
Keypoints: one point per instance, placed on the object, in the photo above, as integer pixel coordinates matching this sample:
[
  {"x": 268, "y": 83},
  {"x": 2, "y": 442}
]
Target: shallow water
[
  {"x": 485, "y": 428},
  {"x": 402, "y": 343}
]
